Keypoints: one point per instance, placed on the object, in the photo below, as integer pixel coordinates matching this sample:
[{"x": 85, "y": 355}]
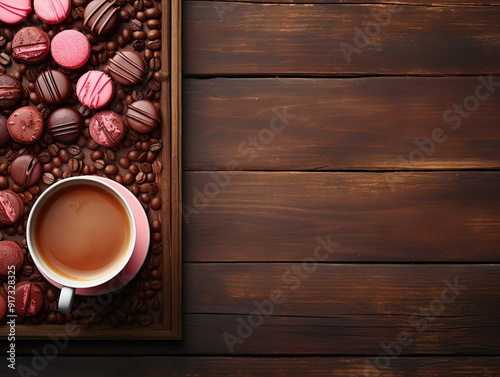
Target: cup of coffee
[{"x": 81, "y": 233}]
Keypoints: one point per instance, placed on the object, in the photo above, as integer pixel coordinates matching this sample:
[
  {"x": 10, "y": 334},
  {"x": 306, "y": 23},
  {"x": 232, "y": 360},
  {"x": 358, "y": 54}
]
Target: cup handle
[{"x": 66, "y": 299}]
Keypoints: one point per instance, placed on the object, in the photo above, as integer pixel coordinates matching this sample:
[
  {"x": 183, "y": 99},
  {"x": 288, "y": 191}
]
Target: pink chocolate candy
[
  {"x": 52, "y": 11},
  {"x": 107, "y": 128},
  {"x": 95, "y": 89},
  {"x": 14, "y": 11},
  {"x": 70, "y": 49}
]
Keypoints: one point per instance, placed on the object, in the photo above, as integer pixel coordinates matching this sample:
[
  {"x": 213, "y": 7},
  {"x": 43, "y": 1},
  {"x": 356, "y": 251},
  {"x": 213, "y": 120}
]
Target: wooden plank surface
[
  {"x": 266, "y": 216},
  {"x": 342, "y": 124},
  {"x": 307, "y": 40},
  {"x": 341, "y": 309},
  {"x": 253, "y": 366},
  {"x": 451, "y": 3}
]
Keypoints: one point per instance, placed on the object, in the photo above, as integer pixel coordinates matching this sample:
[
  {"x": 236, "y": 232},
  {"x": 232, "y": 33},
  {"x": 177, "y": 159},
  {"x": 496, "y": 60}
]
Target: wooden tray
[{"x": 169, "y": 323}]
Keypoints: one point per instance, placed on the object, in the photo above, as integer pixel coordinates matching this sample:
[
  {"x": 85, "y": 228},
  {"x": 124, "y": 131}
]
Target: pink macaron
[
  {"x": 95, "y": 89},
  {"x": 52, "y": 11},
  {"x": 70, "y": 49},
  {"x": 13, "y": 12},
  {"x": 107, "y": 128}
]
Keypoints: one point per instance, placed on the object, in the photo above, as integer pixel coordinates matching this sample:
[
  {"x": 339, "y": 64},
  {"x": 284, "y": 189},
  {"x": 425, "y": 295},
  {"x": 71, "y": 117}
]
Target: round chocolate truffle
[
  {"x": 65, "y": 124},
  {"x": 142, "y": 116},
  {"x": 30, "y": 45},
  {"x": 28, "y": 299},
  {"x": 52, "y": 87},
  {"x": 11, "y": 254},
  {"x": 11, "y": 91},
  {"x": 107, "y": 128},
  {"x": 25, "y": 125},
  {"x": 26, "y": 170},
  {"x": 101, "y": 17},
  {"x": 127, "y": 67},
  {"x": 11, "y": 207},
  {"x": 4, "y": 132}
]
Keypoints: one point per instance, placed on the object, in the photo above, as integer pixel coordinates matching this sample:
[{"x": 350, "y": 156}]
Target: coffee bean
[
  {"x": 92, "y": 145},
  {"x": 51, "y": 317},
  {"x": 84, "y": 110},
  {"x": 157, "y": 166},
  {"x": 154, "y": 85},
  {"x": 156, "y": 248},
  {"x": 155, "y": 203},
  {"x": 34, "y": 190},
  {"x": 125, "y": 15},
  {"x": 99, "y": 164},
  {"x": 31, "y": 75},
  {"x": 135, "y": 24},
  {"x": 96, "y": 155},
  {"x": 153, "y": 13},
  {"x": 4, "y": 182},
  {"x": 146, "y": 167},
  {"x": 79, "y": 3},
  {"x": 155, "y": 303},
  {"x": 155, "y": 64},
  {"x": 133, "y": 169},
  {"x": 128, "y": 179},
  {"x": 28, "y": 195},
  {"x": 153, "y": 34},
  {"x": 155, "y": 225},
  {"x": 154, "y": 45},
  {"x": 47, "y": 178},
  {"x": 16, "y": 188},
  {"x": 140, "y": 177},
  {"x": 142, "y": 156},
  {"x": 53, "y": 150},
  {"x": 35, "y": 277},
  {"x": 138, "y": 4},
  {"x": 3, "y": 41},
  {"x": 153, "y": 23},
  {"x": 132, "y": 135},
  {"x": 73, "y": 165},
  {"x": 42, "y": 285},
  {"x": 126, "y": 35},
  {"x": 74, "y": 149},
  {"x": 124, "y": 162},
  {"x": 136, "y": 304},
  {"x": 26, "y": 270},
  {"x": 44, "y": 157},
  {"x": 111, "y": 170},
  {"x": 156, "y": 284},
  {"x": 57, "y": 161},
  {"x": 139, "y": 45},
  {"x": 145, "y": 197},
  {"x": 155, "y": 275},
  {"x": 3, "y": 167},
  {"x": 47, "y": 167},
  {"x": 145, "y": 320},
  {"x": 4, "y": 58},
  {"x": 77, "y": 12},
  {"x": 57, "y": 172},
  {"x": 132, "y": 155},
  {"x": 155, "y": 260}
]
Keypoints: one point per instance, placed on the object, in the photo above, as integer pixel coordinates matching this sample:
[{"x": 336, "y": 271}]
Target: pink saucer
[{"x": 138, "y": 256}]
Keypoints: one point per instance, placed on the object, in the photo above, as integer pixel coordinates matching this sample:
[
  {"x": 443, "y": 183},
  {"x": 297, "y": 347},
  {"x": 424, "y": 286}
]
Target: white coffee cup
[{"x": 71, "y": 284}]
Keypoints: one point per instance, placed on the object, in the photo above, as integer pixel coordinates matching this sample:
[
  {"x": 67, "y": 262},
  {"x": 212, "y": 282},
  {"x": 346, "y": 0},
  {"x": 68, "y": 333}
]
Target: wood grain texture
[
  {"x": 305, "y": 40},
  {"x": 259, "y": 366},
  {"x": 442, "y": 3},
  {"x": 341, "y": 124},
  {"x": 343, "y": 309},
  {"x": 265, "y": 216}
]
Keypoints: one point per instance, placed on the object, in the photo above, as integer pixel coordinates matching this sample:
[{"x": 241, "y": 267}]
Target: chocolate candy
[
  {"x": 52, "y": 11},
  {"x": 26, "y": 170},
  {"x": 65, "y": 124},
  {"x": 101, "y": 17},
  {"x": 11, "y": 207},
  {"x": 11, "y": 91},
  {"x": 30, "y": 45},
  {"x": 142, "y": 116},
  {"x": 14, "y": 11},
  {"x": 29, "y": 299},
  {"x": 95, "y": 89},
  {"x": 3, "y": 306},
  {"x": 52, "y": 87},
  {"x": 11, "y": 254},
  {"x": 4, "y": 132},
  {"x": 107, "y": 128},
  {"x": 127, "y": 67},
  {"x": 25, "y": 125}
]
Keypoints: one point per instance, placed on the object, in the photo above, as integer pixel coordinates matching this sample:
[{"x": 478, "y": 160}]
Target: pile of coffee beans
[{"x": 135, "y": 161}]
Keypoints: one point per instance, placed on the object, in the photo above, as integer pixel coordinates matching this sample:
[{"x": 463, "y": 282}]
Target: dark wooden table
[{"x": 341, "y": 191}]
